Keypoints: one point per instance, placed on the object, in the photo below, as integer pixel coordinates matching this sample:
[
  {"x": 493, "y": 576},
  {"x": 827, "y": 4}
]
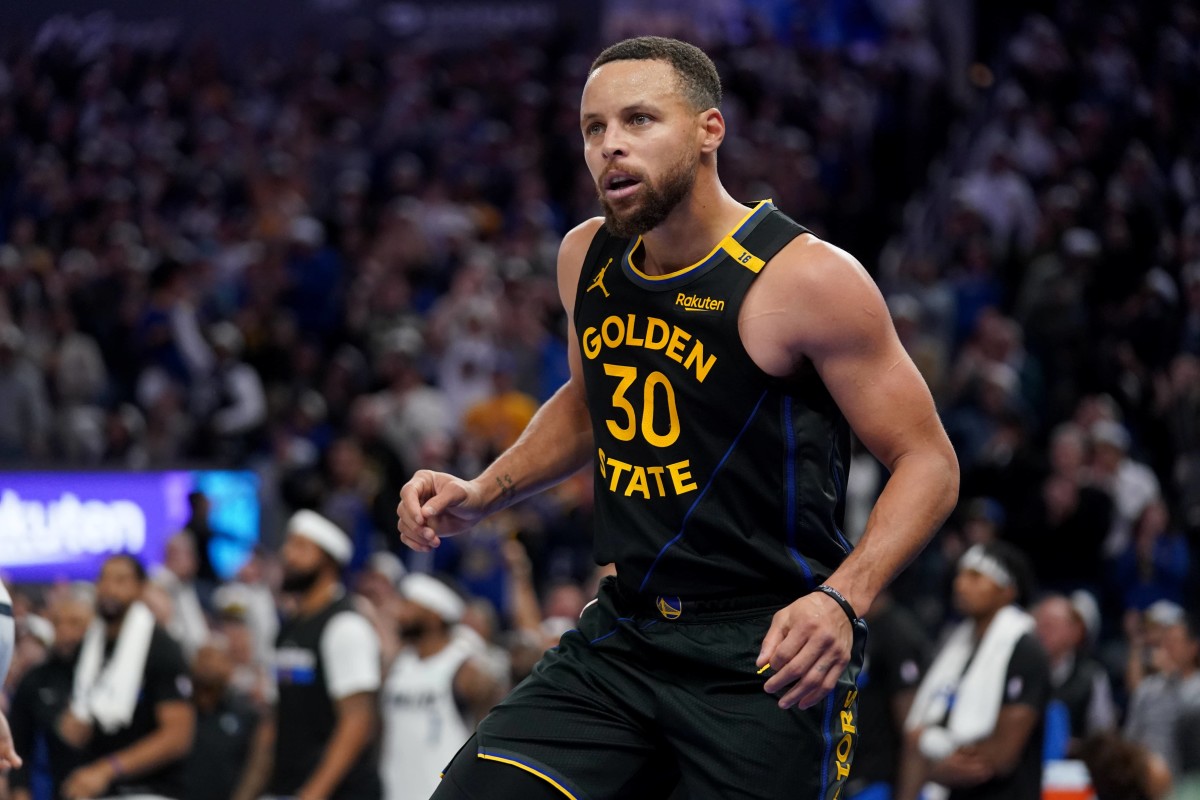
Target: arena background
[{"x": 283, "y": 253}]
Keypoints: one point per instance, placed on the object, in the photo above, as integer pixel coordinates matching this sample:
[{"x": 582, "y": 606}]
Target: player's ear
[{"x": 712, "y": 127}]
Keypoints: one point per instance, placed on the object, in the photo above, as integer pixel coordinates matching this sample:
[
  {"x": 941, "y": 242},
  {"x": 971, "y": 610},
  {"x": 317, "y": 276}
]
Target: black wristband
[{"x": 840, "y": 600}]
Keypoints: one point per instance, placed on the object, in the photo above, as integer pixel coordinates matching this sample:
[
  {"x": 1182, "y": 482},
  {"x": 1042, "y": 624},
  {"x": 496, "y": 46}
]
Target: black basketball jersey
[
  {"x": 713, "y": 479},
  {"x": 307, "y": 715}
]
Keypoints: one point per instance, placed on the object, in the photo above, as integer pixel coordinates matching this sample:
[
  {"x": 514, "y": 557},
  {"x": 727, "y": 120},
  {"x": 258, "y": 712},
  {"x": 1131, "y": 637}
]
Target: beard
[
  {"x": 655, "y": 204},
  {"x": 413, "y": 631},
  {"x": 299, "y": 582},
  {"x": 209, "y": 683},
  {"x": 110, "y": 609}
]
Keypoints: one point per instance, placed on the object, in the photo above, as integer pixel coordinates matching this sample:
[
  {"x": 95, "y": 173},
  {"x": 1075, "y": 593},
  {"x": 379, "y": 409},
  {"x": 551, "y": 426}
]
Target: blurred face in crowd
[
  {"x": 212, "y": 667},
  {"x": 180, "y": 557},
  {"x": 376, "y": 587},
  {"x": 564, "y": 600},
  {"x": 1180, "y": 650},
  {"x": 1058, "y": 629},
  {"x": 303, "y": 562},
  {"x": 200, "y": 506},
  {"x": 641, "y": 140},
  {"x": 1068, "y": 452},
  {"x": 118, "y": 587},
  {"x": 70, "y": 618},
  {"x": 240, "y": 639},
  {"x": 480, "y": 616},
  {"x": 415, "y": 621},
  {"x": 977, "y": 596},
  {"x": 1106, "y": 457}
]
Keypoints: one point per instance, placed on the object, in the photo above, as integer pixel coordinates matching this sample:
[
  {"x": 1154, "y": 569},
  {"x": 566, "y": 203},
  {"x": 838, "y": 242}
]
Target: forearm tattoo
[{"x": 508, "y": 487}]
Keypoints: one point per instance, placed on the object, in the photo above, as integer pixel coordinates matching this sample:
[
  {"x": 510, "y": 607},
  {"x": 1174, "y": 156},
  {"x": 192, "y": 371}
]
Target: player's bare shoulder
[
  {"x": 571, "y": 253},
  {"x": 810, "y": 294}
]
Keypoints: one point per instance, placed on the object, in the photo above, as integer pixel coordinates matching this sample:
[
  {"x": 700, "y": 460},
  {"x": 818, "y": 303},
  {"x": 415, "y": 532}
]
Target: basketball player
[
  {"x": 720, "y": 355},
  {"x": 8, "y": 754}
]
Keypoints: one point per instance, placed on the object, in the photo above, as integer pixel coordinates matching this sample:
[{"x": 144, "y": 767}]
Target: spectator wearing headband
[
  {"x": 327, "y": 668},
  {"x": 436, "y": 690},
  {"x": 976, "y": 725}
]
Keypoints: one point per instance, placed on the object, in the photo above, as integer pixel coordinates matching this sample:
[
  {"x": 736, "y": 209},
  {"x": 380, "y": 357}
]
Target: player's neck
[
  {"x": 692, "y": 230},
  {"x": 323, "y": 592},
  {"x": 432, "y": 643}
]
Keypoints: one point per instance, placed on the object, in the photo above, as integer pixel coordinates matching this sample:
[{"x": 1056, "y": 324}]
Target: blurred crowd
[{"x": 336, "y": 265}]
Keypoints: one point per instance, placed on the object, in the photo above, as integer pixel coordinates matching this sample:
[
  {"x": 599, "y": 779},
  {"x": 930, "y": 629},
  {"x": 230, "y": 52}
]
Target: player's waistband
[{"x": 673, "y": 607}]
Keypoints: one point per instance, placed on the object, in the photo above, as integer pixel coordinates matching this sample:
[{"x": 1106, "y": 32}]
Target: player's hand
[
  {"x": 88, "y": 782},
  {"x": 8, "y": 753},
  {"x": 808, "y": 646},
  {"x": 436, "y": 504},
  {"x": 963, "y": 768}
]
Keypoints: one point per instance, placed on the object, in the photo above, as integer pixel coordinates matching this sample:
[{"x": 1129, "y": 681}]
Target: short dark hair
[
  {"x": 1118, "y": 767},
  {"x": 697, "y": 74},
  {"x": 139, "y": 569},
  {"x": 1017, "y": 564}
]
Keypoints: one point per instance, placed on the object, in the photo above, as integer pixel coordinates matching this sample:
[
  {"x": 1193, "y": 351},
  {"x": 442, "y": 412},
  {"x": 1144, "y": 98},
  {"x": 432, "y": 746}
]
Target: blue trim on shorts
[
  {"x": 703, "y": 491},
  {"x": 828, "y": 747},
  {"x": 550, "y": 776}
]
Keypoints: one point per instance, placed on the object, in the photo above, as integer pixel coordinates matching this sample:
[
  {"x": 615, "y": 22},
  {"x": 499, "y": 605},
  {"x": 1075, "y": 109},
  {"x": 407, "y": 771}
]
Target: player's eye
[
  {"x": 640, "y": 119},
  {"x": 594, "y": 129}
]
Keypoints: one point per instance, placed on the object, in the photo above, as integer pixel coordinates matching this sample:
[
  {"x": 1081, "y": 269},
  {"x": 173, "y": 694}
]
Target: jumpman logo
[{"x": 600, "y": 280}]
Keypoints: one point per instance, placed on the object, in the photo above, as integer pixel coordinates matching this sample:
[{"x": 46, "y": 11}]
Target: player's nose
[{"x": 615, "y": 144}]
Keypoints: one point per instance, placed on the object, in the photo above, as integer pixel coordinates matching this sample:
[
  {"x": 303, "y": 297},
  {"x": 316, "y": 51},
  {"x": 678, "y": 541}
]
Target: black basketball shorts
[{"x": 644, "y": 695}]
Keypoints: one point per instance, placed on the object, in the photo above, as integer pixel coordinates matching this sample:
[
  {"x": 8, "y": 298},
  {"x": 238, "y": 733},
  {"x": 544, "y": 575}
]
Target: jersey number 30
[{"x": 627, "y": 377}]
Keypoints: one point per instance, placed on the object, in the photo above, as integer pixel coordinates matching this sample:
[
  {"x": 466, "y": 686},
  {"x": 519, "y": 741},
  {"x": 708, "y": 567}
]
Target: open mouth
[{"x": 620, "y": 184}]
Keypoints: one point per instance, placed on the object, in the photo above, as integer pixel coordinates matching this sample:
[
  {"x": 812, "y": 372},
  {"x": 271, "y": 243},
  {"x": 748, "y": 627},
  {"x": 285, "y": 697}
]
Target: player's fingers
[
  {"x": 802, "y": 653},
  {"x": 775, "y": 635},
  {"x": 413, "y": 495},
  {"x": 415, "y": 544},
  {"x": 810, "y": 687},
  {"x": 450, "y": 495},
  {"x": 416, "y": 533},
  {"x": 814, "y": 696}
]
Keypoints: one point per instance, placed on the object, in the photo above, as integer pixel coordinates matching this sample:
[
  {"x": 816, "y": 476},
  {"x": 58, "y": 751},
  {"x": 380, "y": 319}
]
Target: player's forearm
[
  {"x": 351, "y": 735},
  {"x": 556, "y": 443},
  {"x": 912, "y": 770},
  {"x": 257, "y": 771},
  {"x": 920, "y": 494},
  {"x": 169, "y": 742}
]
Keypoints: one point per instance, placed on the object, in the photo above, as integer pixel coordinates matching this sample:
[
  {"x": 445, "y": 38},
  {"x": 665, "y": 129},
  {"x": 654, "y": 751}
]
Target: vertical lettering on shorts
[{"x": 844, "y": 732}]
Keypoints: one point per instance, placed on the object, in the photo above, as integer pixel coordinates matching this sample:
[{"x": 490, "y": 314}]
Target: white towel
[
  {"x": 977, "y": 693},
  {"x": 108, "y": 696}
]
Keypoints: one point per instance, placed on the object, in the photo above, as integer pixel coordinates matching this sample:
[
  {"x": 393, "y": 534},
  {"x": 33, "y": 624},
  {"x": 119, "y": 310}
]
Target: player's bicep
[{"x": 875, "y": 383}]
